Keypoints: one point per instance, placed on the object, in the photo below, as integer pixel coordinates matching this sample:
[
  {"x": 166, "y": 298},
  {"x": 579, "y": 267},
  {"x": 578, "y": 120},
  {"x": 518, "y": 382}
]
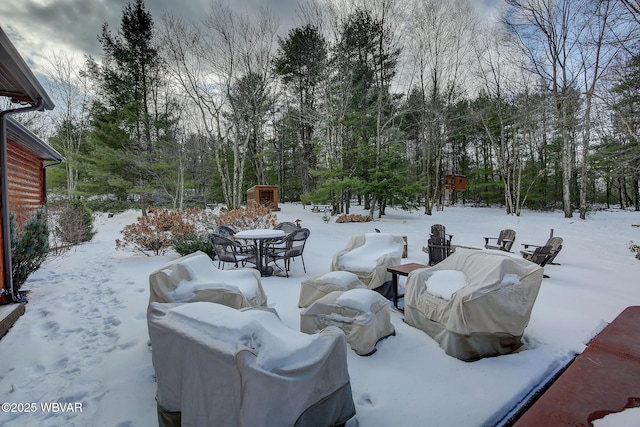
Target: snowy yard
[{"x": 83, "y": 341}]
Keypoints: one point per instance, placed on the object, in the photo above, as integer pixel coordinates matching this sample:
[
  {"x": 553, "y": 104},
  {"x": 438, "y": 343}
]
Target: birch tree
[
  {"x": 69, "y": 85},
  {"x": 439, "y": 49},
  {"x": 549, "y": 31},
  {"x": 209, "y": 60}
]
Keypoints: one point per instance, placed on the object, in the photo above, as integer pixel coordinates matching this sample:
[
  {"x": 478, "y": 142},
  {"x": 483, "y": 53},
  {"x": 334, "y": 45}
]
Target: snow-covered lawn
[{"x": 84, "y": 339}]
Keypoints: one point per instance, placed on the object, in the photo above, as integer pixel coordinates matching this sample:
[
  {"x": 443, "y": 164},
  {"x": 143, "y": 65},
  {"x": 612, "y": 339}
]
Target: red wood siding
[
  {"x": 26, "y": 187},
  {"x": 25, "y": 183}
]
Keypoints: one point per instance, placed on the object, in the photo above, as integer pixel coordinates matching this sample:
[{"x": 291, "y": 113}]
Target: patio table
[{"x": 259, "y": 237}]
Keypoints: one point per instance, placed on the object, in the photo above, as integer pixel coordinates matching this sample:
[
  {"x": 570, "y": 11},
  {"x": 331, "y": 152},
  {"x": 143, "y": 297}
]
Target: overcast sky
[
  {"x": 41, "y": 28},
  {"x": 38, "y": 28}
]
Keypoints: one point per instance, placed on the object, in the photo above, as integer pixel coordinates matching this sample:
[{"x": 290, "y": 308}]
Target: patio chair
[
  {"x": 194, "y": 277},
  {"x": 229, "y": 233},
  {"x": 475, "y": 303},
  {"x": 368, "y": 256},
  {"x": 218, "y": 366},
  {"x": 439, "y": 231},
  {"x": 543, "y": 254},
  {"x": 504, "y": 241},
  {"x": 438, "y": 248},
  {"x": 287, "y": 227},
  {"x": 229, "y": 250},
  {"x": 289, "y": 247},
  {"x": 224, "y": 230}
]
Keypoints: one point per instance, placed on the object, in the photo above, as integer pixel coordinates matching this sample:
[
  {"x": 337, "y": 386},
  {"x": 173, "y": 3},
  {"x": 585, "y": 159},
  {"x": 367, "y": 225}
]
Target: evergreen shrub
[
  {"x": 29, "y": 247},
  {"x": 203, "y": 222},
  {"x": 74, "y": 222}
]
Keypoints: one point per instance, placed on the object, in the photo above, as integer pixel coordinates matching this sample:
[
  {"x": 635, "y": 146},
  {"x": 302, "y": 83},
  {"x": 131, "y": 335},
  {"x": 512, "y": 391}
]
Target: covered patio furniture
[
  {"x": 368, "y": 256},
  {"x": 362, "y": 314},
  {"x": 504, "y": 241},
  {"x": 217, "y": 366},
  {"x": 316, "y": 287},
  {"x": 194, "y": 277},
  {"x": 475, "y": 303},
  {"x": 229, "y": 250},
  {"x": 543, "y": 254}
]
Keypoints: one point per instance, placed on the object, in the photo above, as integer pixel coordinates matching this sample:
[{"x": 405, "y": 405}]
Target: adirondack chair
[
  {"x": 438, "y": 231},
  {"x": 439, "y": 244},
  {"x": 543, "y": 254},
  {"x": 504, "y": 240},
  {"x": 439, "y": 248}
]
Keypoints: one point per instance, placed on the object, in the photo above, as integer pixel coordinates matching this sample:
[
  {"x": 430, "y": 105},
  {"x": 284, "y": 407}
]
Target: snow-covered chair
[
  {"x": 475, "y": 303},
  {"x": 216, "y": 366},
  {"x": 362, "y": 314},
  {"x": 368, "y": 256},
  {"x": 316, "y": 287},
  {"x": 194, "y": 277}
]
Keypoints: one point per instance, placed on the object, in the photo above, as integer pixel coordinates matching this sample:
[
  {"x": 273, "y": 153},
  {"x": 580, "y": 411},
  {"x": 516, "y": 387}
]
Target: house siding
[{"x": 25, "y": 183}]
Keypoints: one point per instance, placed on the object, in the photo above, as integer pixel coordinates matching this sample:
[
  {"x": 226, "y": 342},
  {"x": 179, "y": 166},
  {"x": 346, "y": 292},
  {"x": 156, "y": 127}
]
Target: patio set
[
  {"x": 474, "y": 302},
  {"x": 260, "y": 247}
]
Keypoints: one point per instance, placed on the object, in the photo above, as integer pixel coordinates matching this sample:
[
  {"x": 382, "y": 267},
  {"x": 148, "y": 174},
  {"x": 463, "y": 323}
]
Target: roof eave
[
  {"x": 27, "y": 87},
  {"x": 23, "y": 136}
]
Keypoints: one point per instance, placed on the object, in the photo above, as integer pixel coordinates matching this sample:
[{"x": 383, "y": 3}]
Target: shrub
[
  {"x": 203, "y": 222},
  {"x": 253, "y": 216},
  {"x": 191, "y": 243},
  {"x": 354, "y": 218},
  {"x": 155, "y": 232},
  {"x": 29, "y": 247},
  {"x": 73, "y": 222}
]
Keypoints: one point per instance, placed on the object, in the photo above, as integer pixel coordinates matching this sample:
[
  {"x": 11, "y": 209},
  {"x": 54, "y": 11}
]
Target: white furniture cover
[
  {"x": 195, "y": 277},
  {"x": 368, "y": 256},
  {"x": 362, "y": 314},
  {"x": 218, "y": 366},
  {"x": 475, "y": 303},
  {"x": 314, "y": 288}
]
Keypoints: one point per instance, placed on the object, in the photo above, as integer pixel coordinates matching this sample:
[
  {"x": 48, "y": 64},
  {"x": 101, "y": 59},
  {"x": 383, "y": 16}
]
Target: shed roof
[{"x": 17, "y": 81}]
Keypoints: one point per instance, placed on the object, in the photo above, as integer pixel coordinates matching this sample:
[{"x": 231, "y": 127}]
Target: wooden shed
[
  {"x": 455, "y": 182},
  {"x": 22, "y": 154},
  {"x": 265, "y": 195}
]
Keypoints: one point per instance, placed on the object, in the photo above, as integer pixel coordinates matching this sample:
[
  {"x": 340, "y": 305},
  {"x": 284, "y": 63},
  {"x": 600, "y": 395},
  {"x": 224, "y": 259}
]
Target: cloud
[{"x": 40, "y": 28}]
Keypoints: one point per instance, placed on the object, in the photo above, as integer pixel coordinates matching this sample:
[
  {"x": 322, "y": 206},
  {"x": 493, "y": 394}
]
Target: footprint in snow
[{"x": 366, "y": 400}]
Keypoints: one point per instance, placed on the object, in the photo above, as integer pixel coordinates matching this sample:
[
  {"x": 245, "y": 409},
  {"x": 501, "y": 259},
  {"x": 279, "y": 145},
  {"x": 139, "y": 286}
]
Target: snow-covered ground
[{"x": 83, "y": 340}]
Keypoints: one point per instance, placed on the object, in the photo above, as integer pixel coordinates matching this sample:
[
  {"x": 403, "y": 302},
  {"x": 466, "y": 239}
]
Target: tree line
[{"x": 368, "y": 101}]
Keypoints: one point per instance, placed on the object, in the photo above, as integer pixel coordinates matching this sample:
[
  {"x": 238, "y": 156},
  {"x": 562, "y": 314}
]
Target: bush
[
  {"x": 191, "y": 243},
  {"x": 73, "y": 222},
  {"x": 253, "y": 216},
  {"x": 29, "y": 247},
  {"x": 155, "y": 232},
  {"x": 203, "y": 222}
]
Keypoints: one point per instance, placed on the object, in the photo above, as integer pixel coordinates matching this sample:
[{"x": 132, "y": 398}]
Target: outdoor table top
[
  {"x": 265, "y": 233},
  {"x": 405, "y": 269}
]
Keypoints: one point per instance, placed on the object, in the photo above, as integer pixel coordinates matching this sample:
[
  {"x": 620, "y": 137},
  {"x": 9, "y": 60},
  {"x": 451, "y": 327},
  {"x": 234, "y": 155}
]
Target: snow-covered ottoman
[
  {"x": 362, "y": 314},
  {"x": 314, "y": 288},
  {"x": 217, "y": 366},
  {"x": 195, "y": 277}
]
